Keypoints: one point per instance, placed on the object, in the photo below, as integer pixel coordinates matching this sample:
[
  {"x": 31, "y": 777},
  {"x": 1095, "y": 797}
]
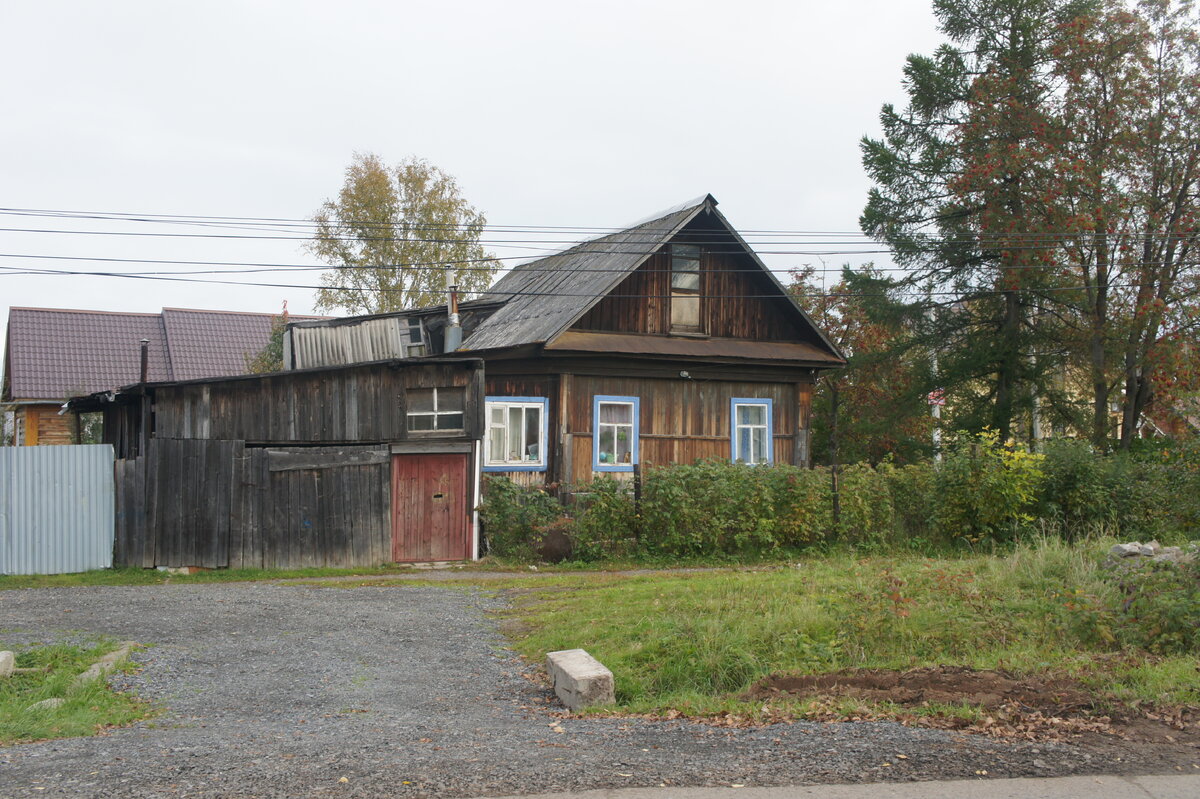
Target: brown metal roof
[
  {"x": 635, "y": 344},
  {"x": 55, "y": 353}
]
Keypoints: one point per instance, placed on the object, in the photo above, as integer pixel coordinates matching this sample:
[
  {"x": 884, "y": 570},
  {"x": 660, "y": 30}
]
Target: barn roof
[{"x": 55, "y": 353}]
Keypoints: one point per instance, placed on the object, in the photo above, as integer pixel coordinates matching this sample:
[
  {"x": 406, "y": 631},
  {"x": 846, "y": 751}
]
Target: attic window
[
  {"x": 414, "y": 344},
  {"x": 685, "y": 288}
]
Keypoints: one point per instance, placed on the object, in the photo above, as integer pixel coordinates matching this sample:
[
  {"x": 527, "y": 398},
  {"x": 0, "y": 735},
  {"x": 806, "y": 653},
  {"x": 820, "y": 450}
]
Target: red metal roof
[{"x": 56, "y": 353}]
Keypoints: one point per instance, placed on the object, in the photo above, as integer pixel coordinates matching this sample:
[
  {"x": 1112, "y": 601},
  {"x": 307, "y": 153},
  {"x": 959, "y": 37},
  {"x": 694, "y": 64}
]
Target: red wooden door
[{"x": 429, "y": 508}]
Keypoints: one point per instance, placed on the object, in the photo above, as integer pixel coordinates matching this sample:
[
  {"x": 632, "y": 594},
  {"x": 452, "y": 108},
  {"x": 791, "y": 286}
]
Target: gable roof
[
  {"x": 543, "y": 298},
  {"x": 55, "y": 353}
]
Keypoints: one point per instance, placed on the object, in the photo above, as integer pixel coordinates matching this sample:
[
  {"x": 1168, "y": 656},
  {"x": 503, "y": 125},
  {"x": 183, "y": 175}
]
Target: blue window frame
[
  {"x": 517, "y": 434},
  {"x": 614, "y": 433},
  {"x": 750, "y": 426}
]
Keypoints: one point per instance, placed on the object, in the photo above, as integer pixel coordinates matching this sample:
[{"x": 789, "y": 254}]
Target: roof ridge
[
  {"x": 82, "y": 310},
  {"x": 240, "y": 313},
  {"x": 676, "y": 209}
]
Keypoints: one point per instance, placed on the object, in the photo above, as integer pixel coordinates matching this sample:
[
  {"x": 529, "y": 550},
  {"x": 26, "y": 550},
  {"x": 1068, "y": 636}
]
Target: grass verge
[
  {"x": 694, "y": 643},
  {"x": 87, "y": 709},
  {"x": 135, "y": 576}
]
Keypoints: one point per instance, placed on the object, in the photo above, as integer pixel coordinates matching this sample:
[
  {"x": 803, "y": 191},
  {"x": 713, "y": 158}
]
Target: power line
[
  {"x": 216, "y": 221},
  {"x": 527, "y": 268},
  {"x": 521, "y": 293}
]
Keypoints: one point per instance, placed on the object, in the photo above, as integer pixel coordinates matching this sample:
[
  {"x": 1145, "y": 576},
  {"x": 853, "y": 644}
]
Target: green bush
[
  {"x": 709, "y": 507},
  {"x": 803, "y": 504},
  {"x": 982, "y": 492},
  {"x": 987, "y": 490},
  {"x": 605, "y": 521},
  {"x": 1161, "y": 608},
  {"x": 868, "y": 516},
  {"x": 512, "y": 517},
  {"x": 1076, "y": 491},
  {"x": 913, "y": 489}
]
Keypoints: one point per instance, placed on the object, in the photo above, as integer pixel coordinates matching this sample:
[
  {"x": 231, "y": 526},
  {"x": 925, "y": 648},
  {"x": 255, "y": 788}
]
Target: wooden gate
[{"x": 430, "y": 501}]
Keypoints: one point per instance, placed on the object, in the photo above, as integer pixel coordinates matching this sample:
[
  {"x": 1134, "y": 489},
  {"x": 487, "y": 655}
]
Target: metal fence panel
[{"x": 56, "y": 509}]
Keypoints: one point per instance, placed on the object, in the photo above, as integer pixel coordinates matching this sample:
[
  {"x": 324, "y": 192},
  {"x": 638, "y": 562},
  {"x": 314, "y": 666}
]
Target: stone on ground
[{"x": 579, "y": 679}]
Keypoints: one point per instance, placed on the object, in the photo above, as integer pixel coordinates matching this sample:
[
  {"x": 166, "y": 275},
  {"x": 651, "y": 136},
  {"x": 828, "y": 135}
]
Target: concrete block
[
  {"x": 8, "y": 663},
  {"x": 579, "y": 679}
]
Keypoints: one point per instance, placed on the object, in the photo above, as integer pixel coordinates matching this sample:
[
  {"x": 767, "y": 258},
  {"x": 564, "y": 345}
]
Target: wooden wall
[
  {"x": 681, "y": 421},
  {"x": 219, "y": 504},
  {"x": 335, "y": 405},
  {"x": 42, "y": 425},
  {"x": 731, "y": 304}
]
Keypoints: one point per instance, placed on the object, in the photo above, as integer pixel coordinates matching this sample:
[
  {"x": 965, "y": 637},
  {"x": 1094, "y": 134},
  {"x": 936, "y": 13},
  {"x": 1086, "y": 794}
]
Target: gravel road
[{"x": 273, "y": 690}]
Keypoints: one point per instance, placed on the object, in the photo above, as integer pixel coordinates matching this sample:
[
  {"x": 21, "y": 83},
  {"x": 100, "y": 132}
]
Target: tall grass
[{"x": 696, "y": 641}]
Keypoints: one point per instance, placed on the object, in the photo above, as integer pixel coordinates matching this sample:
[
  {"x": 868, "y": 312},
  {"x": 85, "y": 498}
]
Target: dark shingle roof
[
  {"x": 55, "y": 353},
  {"x": 545, "y": 296}
]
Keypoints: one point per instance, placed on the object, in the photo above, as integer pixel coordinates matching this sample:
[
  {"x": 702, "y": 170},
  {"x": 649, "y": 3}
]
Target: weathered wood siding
[
  {"x": 219, "y": 504},
  {"x": 681, "y": 421},
  {"x": 732, "y": 304},
  {"x": 531, "y": 386},
  {"x": 335, "y": 405},
  {"x": 187, "y": 495}
]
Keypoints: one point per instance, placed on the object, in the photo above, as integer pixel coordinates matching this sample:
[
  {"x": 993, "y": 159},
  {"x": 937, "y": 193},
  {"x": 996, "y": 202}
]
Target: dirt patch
[
  {"x": 990, "y": 690},
  {"x": 1024, "y": 706}
]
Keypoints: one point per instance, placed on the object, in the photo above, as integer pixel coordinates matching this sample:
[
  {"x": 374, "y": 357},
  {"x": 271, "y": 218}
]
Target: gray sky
[{"x": 548, "y": 113}]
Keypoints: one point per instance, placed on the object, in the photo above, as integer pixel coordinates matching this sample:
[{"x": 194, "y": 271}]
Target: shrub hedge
[{"x": 983, "y": 492}]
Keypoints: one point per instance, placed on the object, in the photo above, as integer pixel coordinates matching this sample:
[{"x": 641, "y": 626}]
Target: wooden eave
[{"x": 791, "y": 353}]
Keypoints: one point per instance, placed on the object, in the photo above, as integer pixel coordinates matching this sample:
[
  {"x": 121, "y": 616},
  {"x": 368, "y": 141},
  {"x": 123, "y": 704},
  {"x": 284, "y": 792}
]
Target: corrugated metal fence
[{"x": 56, "y": 509}]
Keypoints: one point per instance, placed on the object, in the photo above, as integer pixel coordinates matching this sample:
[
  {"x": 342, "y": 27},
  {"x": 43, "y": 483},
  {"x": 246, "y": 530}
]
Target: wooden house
[
  {"x": 336, "y": 466},
  {"x": 666, "y": 342}
]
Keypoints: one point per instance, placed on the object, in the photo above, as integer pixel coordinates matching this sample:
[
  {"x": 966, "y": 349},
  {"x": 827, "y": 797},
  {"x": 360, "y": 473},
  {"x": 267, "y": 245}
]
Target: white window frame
[
  {"x": 735, "y": 428},
  {"x": 491, "y": 464},
  {"x": 635, "y": 404},
  {"x": 435, "y": 413}
]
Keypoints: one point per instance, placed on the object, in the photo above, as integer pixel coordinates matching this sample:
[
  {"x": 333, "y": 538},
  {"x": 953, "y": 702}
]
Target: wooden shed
[{"x": 336, "y": 466}]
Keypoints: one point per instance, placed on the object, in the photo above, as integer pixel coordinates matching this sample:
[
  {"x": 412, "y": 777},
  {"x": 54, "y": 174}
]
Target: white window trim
[
  {"x": 435, "y": 413},
  {"x": 521, "y": 402},
  {"x": 765, "y": 402}
]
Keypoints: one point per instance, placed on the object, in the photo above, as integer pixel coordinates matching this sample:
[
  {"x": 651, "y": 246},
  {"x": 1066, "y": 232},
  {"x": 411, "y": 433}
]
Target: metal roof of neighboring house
[{"x": 55, "y": 353}]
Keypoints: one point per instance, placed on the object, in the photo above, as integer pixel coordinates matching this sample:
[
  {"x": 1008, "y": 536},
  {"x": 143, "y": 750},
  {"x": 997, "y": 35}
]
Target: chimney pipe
[
  {"x": 145, "y": 359},
  {"x": 453, "y": 338}
]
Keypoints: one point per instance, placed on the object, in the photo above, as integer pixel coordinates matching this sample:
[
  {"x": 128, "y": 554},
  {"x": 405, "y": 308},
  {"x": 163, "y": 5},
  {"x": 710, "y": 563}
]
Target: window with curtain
[
  {"x": 751, "y": 433},
  {"x": 516, "y": 434}
]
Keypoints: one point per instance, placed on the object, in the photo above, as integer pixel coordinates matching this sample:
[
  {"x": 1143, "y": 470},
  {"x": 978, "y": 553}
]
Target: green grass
[
  {"x": 135, "y": 576},
  {"x": 88, "y": 709},
  {"x": 694, "y": 642}
]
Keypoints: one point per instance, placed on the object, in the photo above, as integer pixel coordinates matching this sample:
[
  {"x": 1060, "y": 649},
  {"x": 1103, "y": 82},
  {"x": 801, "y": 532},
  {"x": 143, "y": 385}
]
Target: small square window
[{"x": 435, "y": 409}]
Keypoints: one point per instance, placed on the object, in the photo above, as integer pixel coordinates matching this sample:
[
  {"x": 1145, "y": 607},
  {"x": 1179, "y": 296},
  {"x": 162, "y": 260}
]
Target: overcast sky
[{"x": 548, "y": 113}]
